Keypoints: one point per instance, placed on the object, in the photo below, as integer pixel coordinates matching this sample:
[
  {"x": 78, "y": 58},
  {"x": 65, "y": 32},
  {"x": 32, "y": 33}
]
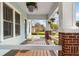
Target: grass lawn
[{"x": 42, "y": 36}]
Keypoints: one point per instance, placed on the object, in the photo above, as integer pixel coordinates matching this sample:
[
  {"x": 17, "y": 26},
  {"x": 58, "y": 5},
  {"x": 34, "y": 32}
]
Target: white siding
[{"x": 16, "y": 39}]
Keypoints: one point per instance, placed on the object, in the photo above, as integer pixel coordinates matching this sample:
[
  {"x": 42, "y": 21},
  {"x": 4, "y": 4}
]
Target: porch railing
[{"x": 31, "y": 47}]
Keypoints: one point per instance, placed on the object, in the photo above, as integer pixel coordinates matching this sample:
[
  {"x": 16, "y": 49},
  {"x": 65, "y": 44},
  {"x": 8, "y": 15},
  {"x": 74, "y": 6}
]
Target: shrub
[
  {"x": 54, "y": 26},
  {"x": 34, "y": 33},
  {"x": 38, "y": 33},
  {"x": 41, "y": 33}
]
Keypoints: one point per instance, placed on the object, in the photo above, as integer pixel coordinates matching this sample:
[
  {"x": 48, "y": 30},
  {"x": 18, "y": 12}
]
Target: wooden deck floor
[
  {"x": 34, "y": 53},
  {"x": 31, "y": 53}
]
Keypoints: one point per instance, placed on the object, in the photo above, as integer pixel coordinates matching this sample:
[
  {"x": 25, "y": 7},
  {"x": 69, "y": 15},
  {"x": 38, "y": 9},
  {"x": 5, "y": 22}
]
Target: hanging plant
[{"x": 52, "y": 19}]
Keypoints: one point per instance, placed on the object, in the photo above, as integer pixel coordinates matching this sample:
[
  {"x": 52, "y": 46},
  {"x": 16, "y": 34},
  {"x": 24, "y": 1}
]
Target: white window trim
[
  {"x": 14, "y": 10},
  {"x": 11, "y": 6}
]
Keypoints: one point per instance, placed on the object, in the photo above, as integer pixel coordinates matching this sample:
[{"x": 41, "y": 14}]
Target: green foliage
[
  {"x": 54, "y": 26},
  {"x": 56, "y": 43},
  {"x": 41, "y": 33},
  {"x": 77, "y": 23},
  {"x": 38, "y": 33},
  {"x": 34, "y": 33},
  {"x": 55, "y": 35}
]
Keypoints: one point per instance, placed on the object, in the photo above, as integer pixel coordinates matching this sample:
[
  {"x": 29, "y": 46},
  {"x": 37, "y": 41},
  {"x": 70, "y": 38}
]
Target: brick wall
[{"x": 70, "y": 44}]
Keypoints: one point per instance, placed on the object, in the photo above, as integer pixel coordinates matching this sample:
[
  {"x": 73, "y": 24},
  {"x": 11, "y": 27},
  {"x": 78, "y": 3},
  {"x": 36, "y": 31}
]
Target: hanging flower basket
[
  {"x": 52, "y": 19},
  {"x": 49, "y": 22}
]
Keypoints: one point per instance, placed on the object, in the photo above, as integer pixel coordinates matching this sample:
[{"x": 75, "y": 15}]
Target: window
[
  {"x": 8, "y": 21},
  {"x": 17, "y": 23}
]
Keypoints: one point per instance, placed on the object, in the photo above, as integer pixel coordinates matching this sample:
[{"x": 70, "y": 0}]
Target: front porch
[{"x": 16, "y": 29}]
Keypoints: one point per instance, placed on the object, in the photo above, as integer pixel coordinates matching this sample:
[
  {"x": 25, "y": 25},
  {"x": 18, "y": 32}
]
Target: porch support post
[
  {"x": 1, "y": 22},
  {"x": 14, "y": 23},
  {"x": 68, "y": 34},
  {"x": 29, "y": 28},
  {"x": 67, "y": 15}
]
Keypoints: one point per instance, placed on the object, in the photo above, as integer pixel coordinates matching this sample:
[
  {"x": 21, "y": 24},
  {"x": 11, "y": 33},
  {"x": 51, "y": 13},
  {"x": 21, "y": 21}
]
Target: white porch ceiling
[{"x": 44, "y": 8}]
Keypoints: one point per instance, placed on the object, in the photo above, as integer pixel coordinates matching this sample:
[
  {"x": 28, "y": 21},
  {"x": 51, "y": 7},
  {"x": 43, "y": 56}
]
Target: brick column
[
  {"x": 67, "y": 36},
  {"x": 70, "y": 44}
]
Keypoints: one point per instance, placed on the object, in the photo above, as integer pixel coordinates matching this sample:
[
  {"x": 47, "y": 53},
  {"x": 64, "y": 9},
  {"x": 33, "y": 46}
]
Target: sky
[{"x": 77, "y": 11}]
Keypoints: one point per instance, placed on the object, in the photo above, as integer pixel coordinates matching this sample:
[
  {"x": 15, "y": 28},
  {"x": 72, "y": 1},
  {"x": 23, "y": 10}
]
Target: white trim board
[{"x": 31, "y": 47}]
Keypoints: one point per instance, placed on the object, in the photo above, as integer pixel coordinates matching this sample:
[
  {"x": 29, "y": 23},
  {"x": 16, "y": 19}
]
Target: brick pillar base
[{"x": 70, "y": 44}]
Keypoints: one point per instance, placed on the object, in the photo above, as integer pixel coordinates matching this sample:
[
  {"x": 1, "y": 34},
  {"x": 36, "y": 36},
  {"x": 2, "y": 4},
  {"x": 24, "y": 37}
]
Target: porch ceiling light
[{"x": 31, "y": 6}]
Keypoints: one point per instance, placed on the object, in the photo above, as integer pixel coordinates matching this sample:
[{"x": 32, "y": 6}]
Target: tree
[{"x": 77, "y": 23}]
